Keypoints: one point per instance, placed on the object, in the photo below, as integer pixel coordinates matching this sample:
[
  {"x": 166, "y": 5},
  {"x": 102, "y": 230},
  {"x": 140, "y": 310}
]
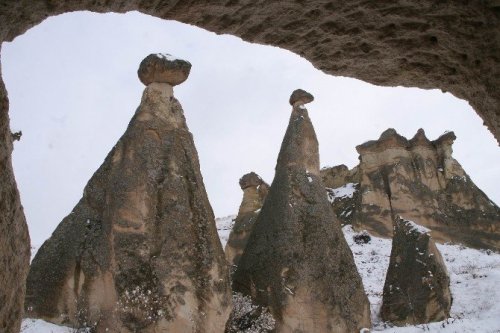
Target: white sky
[{"x": 73, "y": 88}]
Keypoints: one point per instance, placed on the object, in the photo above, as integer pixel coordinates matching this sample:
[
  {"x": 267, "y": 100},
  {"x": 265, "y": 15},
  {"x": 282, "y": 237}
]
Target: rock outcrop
[
  {"x": 418, "y": 179},
  {"x": 416, "y": 289},
  {"x": 297, "y": 261},
  {"x": 14, "y": 238},
  {"x": 140, "y": 251},
  {"x": 254, "y": 193}
]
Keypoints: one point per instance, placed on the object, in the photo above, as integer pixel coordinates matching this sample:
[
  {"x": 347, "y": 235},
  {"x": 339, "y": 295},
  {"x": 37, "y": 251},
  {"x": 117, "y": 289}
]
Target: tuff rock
[
  {"x": 418, "y": 179},
  {"x": 297, "y": 262},
  {"x": 254, "y": 193},
  {"x": 14, "y": 238},
  {"x": 300, "y": 97},
  {"x": 163, "y": 68},
  {"x": 140, "y": 251},
  {"x": 416, "y": 289}
]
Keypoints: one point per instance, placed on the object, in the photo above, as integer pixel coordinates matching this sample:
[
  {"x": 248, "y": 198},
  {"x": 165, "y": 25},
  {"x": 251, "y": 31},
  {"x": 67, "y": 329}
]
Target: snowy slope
[
  {"x": 224, "y": 226},
  {"x": 474, "y": 278}
]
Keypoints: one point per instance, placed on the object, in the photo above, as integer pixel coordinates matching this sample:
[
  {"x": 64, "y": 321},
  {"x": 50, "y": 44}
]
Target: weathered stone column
[
  {"x": 140, "y": 251},
  {"x": 297, "y": 261}
]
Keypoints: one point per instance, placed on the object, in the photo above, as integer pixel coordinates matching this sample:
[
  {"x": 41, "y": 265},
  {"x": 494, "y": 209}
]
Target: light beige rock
[
  {"x": 421, "y": 180},
  {"x": 140, "y": 251}
]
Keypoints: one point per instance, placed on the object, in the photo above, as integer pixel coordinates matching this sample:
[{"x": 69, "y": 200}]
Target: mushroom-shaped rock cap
[
  {"x": 300, "y": 97},
  {"x": 163, "y": 68},
  {"x": 250, "y": 179}
]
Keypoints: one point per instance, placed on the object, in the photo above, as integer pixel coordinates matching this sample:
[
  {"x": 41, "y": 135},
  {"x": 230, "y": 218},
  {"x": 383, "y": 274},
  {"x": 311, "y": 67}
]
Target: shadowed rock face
[
  {"x": 14, "y": 238},
  {"x": 297, "y": 261},
  {"x": 418, "y": 179},
  {"x": 416, "y": 289},
  {"x": 452, "y": 46},
  {"x": 140, "y": 251},
  {"x": 254, "y": 193}
]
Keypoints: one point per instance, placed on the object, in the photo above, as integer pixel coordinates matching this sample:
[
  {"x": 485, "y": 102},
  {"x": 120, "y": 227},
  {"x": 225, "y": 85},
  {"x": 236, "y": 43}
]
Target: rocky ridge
[{"x": 418, "y": 179}]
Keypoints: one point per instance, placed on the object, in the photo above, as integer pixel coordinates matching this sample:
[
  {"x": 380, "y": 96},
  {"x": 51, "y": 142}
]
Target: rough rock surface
[
  {"x": 300, "y": 97},
  {"x": 452, "y": 46},
  {"x": 254, "y": 193},
  {"x": 418, "y": 179},
  {"x": 163, "y": 68},
  {"x": 417, "y": 286},
  {"x": 140, "y": 251},
  {"x": 297, "y": 261},
  {"x": 14, "y": 238}
]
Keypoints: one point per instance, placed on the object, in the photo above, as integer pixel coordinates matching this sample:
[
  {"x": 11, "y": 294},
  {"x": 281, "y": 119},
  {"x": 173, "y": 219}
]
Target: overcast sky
[{"x": 73, "y": 88}]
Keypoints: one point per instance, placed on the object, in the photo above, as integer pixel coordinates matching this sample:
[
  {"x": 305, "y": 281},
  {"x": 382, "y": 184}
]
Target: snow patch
[
  {"x": 416, "y": 227},
  {"x": 346, "y": 191},
  {"x": 40, "y": 326},
  {"x": 224, "y": 226},
  {"x": 167, "y": 56}
]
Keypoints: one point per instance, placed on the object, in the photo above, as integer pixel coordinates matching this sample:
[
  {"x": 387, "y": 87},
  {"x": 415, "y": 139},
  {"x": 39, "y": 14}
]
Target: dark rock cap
[
  {"x": 300, "y": 97},
  {"x": 447, "y": 137},
  {"x": 250, "y": 179},
  {"x": 163, "y": 68}
]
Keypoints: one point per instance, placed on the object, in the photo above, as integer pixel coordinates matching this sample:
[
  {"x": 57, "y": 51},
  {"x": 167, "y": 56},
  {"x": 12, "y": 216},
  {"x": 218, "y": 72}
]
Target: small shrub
[{"x": 362, "y": 238}]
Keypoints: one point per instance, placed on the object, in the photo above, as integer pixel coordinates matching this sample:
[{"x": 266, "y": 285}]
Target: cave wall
[{"x": 450, "y": 45}]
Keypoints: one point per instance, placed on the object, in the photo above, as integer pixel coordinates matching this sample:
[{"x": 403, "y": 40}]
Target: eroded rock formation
[
  {"x": 416, "y": 288},
  {"x": 140, "y": 251},
  {"x": 14, "y": 238},
  {"x": 452, "y": 46},
  {"x": 297, "y": 261},
  {"x": 254, "y": 193},
  {"x": 418, "y": 179}
]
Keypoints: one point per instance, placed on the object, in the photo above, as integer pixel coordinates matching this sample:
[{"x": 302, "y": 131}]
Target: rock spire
[
  {"x": 140, "y": 251},
  {"x": 417, "y": 286},
  {"x": 254, "y": 193},
  {"x": 297, "y": 261}
]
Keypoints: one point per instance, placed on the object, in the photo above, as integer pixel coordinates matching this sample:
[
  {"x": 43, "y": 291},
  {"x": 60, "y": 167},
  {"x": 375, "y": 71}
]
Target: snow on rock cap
[
  {"x": 163, "y": 68},
  {"x": 300, "y": 97}
]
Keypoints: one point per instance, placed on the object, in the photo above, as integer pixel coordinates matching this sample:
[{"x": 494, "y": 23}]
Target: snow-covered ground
[
  {"x": 40, "y": 326},
  {"x": 345, "y": 191},
  {"x": 474, "y": 278}
]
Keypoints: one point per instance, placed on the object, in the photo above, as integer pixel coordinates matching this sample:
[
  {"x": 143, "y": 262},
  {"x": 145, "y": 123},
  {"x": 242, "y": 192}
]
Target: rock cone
[
  {"x": 254, "y": 192},
  {"x": 297, "y": 261},
  {"x": 416, "y": 289},
  {"x": 140, "y": 251}
]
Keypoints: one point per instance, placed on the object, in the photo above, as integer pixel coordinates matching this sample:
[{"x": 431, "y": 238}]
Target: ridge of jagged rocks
[
  {"x": 297, "y": 261},
  {"x": 420, "y": 179},
  {"x": 120, "y": 261}
]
